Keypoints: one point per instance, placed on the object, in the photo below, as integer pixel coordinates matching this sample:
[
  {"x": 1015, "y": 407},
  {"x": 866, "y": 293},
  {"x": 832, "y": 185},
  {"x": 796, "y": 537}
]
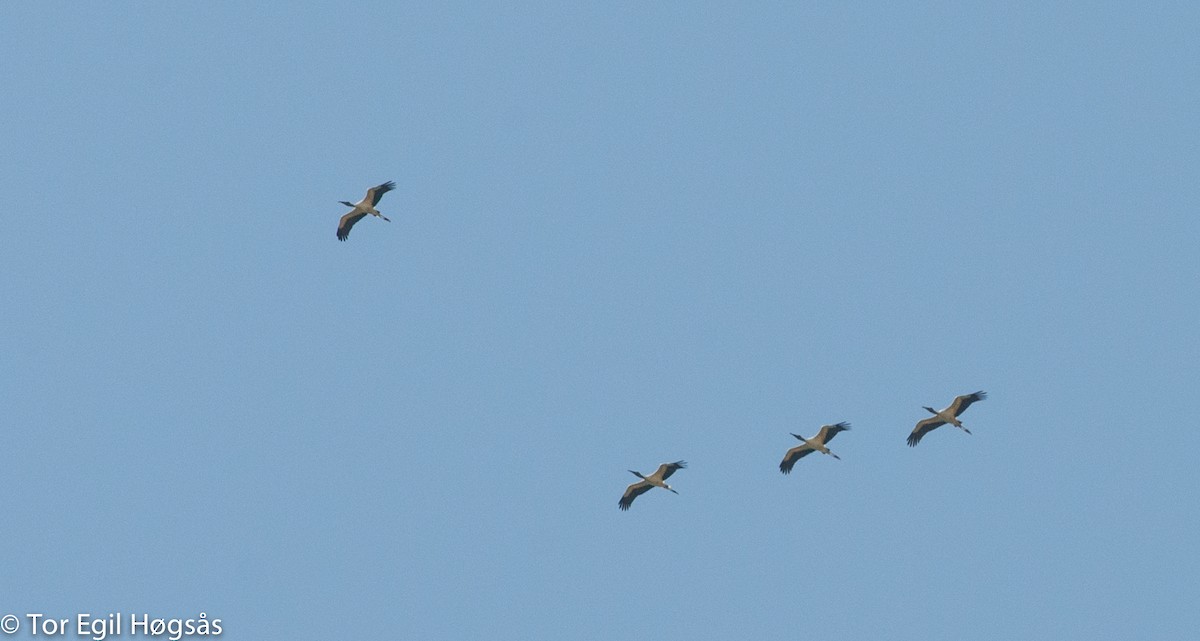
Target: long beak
[
  {"x": 672, "y": 490},
  {"x": 385, "y": 218},
  {"x": 835, "y": 456},
  {"x": 966, "y": 430}
]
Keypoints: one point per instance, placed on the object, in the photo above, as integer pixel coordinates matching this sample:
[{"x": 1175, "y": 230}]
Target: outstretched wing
[
  {"x": 632, "y": 492},
  {"x": 377, "y": 192},
  {"x": 347, "y": 222},
  {"x": 961, "y": 403},
  {"x": 793, "y": 455},
  {"x": 829, "y": 431},
  {"x": 665, "y": 470},
  {"x": 924, "y": 427}
]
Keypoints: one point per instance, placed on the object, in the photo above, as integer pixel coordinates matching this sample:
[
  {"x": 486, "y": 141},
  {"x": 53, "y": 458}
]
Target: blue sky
[{"x": 623, "y": 233}]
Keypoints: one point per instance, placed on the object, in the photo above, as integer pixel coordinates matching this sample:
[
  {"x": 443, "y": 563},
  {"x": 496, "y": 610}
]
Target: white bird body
[
  {"x": 658, "y": 483},
  {"x": 366, "y": 208},
  {"x": 815, "y": 444},
  {"x": 947, "y": 416},
  {"x": 363, "y": 208},
  {"x": 657, "y": 479}
]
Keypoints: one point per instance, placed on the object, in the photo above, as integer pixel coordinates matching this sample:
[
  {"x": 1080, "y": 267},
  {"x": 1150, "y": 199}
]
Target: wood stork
[
  {"x": 814, "y": 444},
  {"x": 948, "y": 415},
  {"x": 658, "y": 478},
  {"x": 364, "y": 207}
]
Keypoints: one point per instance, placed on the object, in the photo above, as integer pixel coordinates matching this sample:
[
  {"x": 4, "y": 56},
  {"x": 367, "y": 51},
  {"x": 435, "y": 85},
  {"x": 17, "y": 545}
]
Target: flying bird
[
  {"x": 364, "y": 207},
  {"x": 948, "y": 415},
  {"x": 814, "y": 444},
  {"x": 658, "y": 478}
]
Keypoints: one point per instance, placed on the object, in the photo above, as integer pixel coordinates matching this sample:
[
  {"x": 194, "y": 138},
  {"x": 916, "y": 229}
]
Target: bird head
[{"x": 669, "y": 488}]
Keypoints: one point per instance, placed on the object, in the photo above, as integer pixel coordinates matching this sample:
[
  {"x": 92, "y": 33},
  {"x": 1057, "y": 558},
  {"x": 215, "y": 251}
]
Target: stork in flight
[
  {"x": 364, "y": 207},
  {"x": 948, "y": 415},
  {"x": 814, "y": 444},
  {"x": 658, "y": 478}
]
